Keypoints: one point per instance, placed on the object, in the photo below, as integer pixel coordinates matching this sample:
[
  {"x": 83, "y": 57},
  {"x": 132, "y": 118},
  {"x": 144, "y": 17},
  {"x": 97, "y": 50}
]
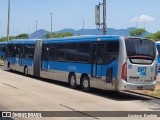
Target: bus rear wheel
[
  {"x": 72, "y": 81},
  {"x": 85, "y": 84}
]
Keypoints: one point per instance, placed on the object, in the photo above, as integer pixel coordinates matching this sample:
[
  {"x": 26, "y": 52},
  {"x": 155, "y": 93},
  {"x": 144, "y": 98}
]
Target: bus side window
[
  {"x": 4, "y": 49},
  {"x": 17, "y": 50},
  {"x": 83, "y": 52},
  {"x": 71, "y": 52},
  {"x": 29, "y": 51},
  {"x": 43, "y": 52},
  {"x": 100, "y": 54},
  {"x": 60, "y": 52},
  {"x": 52, "y": 52},
  {"x": 9, "y": 50},
  {"x": 112, "y": 51},
  {"x": 1, "y": 48}
]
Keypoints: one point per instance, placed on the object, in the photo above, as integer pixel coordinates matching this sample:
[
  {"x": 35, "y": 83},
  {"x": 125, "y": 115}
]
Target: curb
[{"x": 144, "y": 94}]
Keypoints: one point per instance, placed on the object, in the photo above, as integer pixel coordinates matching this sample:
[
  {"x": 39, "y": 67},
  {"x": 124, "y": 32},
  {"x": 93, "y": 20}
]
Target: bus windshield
[{"x": 139, "y": 47}]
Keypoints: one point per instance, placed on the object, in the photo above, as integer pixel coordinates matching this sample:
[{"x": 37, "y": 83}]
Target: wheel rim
[
  {"x": 73, "y": 80},
  {"x": 85, "y": 83}
]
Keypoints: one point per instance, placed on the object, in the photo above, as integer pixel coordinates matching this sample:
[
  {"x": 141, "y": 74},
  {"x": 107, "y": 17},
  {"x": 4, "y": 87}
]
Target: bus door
[
  {"x": 97, "y": 59},
  {"x": 45, "y": 54},
  {"x": 19, "y": 53}
]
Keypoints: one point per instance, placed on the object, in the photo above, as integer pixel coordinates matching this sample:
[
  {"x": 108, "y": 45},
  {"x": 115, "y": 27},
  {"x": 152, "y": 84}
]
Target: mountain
[
  {"x": 38, "y": 34},
  {"x": 81, "y": 31},
  {"x": 124, "y": 32},
  {"x": 110, "y": 31}
]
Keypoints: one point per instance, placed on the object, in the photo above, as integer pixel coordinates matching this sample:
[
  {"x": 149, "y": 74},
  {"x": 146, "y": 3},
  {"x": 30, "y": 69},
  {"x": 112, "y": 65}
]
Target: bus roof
[
  {"x": 85, "y": 38},
  {"x": 22, "y": 41},
  {"x": 67, "y": 39},
  {"x": 82, "y": 38}
]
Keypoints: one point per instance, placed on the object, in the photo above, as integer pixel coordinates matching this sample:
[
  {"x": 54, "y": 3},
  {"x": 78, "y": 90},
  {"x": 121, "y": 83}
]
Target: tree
[
  {"x": 48, "y": 35},
  {"x": 58, "y": 35},
  {"x": 137, "y": 32},
  {"x": 154, "y": 36},
  {"x": 5, "y": 38},
  {"x": 22, "y": 36}
]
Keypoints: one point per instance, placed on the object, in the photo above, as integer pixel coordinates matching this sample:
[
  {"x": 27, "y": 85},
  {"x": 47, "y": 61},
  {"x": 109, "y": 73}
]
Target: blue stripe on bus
[
  {"x": 24, "y": 61},
  {"x": 69, "y": 67},
  {"x": 27, "y": 61},
  {"x": 12, "y": 60},
  {"x": 80, "y": 67}
]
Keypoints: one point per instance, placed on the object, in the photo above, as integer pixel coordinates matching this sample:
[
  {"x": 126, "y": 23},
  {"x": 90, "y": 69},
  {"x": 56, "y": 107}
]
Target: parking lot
[{"x": 20, "y": 93}]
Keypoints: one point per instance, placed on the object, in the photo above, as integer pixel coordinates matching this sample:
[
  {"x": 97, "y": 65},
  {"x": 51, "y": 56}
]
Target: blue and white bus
[
  {"x": 105, "y": 62},
  {"x": 2, "y": 49}
]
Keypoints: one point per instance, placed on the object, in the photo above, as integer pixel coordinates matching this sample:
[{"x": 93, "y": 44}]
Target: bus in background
[
  {"x": 2, "y": 49},
  {"x": 158, "y": 49},
  {"x": 105, "y": 62},
  {"x": 19, "y": 55}
]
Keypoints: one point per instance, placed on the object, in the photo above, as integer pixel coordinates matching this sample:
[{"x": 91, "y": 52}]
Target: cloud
[{"x": 143, "y": 18}]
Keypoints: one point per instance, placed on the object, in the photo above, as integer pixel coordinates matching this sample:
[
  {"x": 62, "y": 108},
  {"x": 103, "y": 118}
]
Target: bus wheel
[
  {"x": 26, "y": 71},
  {"x": 72, "y": 81},
  {"x": 85, "y": 84}
]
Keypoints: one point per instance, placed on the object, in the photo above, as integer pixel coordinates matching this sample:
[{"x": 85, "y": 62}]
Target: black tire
[
  {"x": 72, "y": 81},
  {"x": 26, "y": 71},
  {"x": 85, "y": 84}
]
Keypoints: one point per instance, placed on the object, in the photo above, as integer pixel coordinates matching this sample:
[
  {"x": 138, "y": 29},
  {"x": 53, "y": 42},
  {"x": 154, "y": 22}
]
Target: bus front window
[{"x": 140, "y": 51}]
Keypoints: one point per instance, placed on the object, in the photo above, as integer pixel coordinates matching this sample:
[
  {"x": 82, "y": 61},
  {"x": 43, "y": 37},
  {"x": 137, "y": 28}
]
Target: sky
[{"x": 121, "y": 14}]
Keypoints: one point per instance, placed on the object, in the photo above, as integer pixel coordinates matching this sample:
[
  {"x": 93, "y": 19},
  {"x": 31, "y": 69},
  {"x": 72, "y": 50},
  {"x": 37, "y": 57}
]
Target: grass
[{"x": 155, "y": 93}]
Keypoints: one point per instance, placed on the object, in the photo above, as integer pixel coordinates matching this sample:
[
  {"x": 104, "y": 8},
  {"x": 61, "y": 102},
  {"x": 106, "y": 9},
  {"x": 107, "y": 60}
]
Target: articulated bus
[
  {"x": 2, "y": 49},
  {"x": 158, "y": 59},
  {"x": 105, "y": 62}
]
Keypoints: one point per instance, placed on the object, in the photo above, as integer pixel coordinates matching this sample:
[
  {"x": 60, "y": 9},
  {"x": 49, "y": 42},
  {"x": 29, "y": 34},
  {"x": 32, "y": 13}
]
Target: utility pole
[
  {"x": 83, "y": 28},
  {"x": 104, "y": 17},
  {"x": 28, "y": 30},
  {"x": 51, "y": 24},
  {"x": 36, "y": 28},
  {"x": 8, "y": 26},
  {"x": 97, "y": 16}
]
